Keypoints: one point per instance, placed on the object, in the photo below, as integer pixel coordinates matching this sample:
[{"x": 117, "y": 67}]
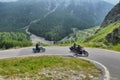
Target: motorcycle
[
  {"x": 81, "y": 53},
  {"x": 41, "y": 49}
]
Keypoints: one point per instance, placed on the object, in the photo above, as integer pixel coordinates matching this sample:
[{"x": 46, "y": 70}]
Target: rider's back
[
  {"x": 37, "y": 47},
  {"x": 79, "y": 48}
]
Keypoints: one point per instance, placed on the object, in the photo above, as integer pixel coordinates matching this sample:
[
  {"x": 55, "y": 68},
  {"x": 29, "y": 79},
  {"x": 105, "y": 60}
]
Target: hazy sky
[
  {"x": 7, "y": 0},
  {"x": 111, "y": 1}
]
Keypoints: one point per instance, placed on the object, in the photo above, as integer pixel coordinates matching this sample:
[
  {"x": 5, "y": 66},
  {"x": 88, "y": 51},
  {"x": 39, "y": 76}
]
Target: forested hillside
[
  {"x": 79, "y": 36},
  {"x": 16, "y": 15},
  {"x": 108, "y": 36},
  {"x": 59, "y": 23},
  {"x": 52, "y": 19},
  {"x": 100, "y": 38},
  {"x": 12, "y": 39}
]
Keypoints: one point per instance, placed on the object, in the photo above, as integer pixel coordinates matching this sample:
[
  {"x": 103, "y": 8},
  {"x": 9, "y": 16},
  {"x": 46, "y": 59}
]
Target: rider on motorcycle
[
  {"x": 79, "y": 49},
  {"x": 37, "y": 47},
  {"x": 73, "y": 47}
]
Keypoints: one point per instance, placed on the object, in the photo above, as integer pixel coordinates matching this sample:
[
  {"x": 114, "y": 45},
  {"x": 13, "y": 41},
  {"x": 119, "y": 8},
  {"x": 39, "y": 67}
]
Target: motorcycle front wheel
[{"x": 86, "y": 54}]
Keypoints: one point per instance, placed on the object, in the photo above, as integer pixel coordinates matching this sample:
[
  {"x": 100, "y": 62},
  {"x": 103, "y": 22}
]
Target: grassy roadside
[
  {"x": 102, "y": 46},
  {"x": 48, "y": 68}
]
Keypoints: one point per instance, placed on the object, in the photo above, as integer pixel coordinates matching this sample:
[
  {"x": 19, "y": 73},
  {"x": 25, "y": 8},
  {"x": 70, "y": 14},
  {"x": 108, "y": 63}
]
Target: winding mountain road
[{"x": 110, "y": 59}]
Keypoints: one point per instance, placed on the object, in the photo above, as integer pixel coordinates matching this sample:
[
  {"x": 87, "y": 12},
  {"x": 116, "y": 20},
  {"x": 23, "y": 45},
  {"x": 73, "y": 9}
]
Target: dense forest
[
  {"x": 59, "y": 24},
  {"x": 52, "y": 19},
  {"x": 16, "y": 15},
  {"x": 13, "y": 39}
]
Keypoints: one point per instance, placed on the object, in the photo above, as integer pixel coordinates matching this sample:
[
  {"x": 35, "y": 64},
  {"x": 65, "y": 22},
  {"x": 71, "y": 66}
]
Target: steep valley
[{"x": 51, "y": 19}]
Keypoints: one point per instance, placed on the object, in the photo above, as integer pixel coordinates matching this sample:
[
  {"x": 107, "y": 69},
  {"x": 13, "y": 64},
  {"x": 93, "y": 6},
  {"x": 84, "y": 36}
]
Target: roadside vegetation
[
  {"x": 99, "y": 39},
  {"x": 79, "y": 36},
  {"x": 14, "y": 39},
  {"x": 48, "y": 68},
  {"x": 95, "y": 39}
]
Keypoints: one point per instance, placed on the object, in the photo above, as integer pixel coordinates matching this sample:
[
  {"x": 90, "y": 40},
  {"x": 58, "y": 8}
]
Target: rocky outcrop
[
  {"x": 114, "y": 37},
  {"x": 113, "y": 16}
]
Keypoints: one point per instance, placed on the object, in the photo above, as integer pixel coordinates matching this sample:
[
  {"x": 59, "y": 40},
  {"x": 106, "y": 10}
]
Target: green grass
[
  {"x": 103, "y": 32},
  {"x": 115, "y": 47},
  {"x": 99, "y": 39},
  {"x": 44, "y": 68}
]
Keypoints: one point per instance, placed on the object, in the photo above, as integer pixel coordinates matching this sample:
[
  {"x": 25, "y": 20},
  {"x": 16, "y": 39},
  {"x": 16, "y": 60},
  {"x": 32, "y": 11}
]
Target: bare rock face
[
  {"x": 114, "y": 37},
  {"x": 113, "y": 16}
]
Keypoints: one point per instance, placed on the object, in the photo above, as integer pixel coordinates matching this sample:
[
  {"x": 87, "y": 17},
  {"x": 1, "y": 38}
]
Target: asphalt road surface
[{"x": 110, "y": 59}]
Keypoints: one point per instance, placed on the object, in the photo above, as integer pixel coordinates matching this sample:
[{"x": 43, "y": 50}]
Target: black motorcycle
[
  {"x": 41, "y": 49},
  {"x": 81, "y": 53}
]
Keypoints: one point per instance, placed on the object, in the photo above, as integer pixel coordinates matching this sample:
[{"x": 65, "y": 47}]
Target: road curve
[{"x": 110, "y": 59}]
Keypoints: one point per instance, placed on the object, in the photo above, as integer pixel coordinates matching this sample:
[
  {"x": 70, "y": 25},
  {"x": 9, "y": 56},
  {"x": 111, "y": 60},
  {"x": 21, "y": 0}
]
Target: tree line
[{"x": 14, "y": 39}]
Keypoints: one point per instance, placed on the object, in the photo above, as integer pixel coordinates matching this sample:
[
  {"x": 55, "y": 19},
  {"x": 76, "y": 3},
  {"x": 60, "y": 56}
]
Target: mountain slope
[
  {"x": 79, "y": 36},
  {"x": 79, "y": 15},
  {"x": 16, "y": 15},
  {"x": 113, "y": 16},
  {"x": 108, "y": 36},
  {"x": 52, "y": 19},
  {"x": 102, "y": 34}
]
